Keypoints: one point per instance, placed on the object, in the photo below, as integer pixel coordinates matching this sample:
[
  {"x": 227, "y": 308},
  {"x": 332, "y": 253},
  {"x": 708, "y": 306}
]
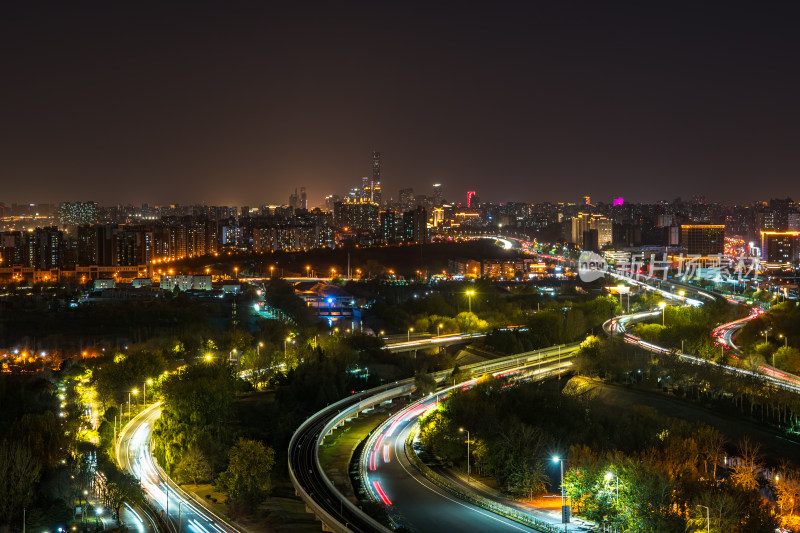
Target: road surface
[
  {"x": 133, "y": 455},
  {"x": 420, "y": 504}
]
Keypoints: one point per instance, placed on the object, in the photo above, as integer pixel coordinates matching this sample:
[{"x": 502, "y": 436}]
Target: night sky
[{"x": 239, "y": 102}]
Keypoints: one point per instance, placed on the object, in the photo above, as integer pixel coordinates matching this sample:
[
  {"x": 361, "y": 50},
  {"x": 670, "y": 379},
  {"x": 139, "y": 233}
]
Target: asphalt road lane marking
[{"x": 431, "y": 488}]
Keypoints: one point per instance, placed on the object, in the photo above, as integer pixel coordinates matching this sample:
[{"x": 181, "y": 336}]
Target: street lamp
[
  {"x": 785, "y": 340},
  {"x": 258, "y": 348},
  {"x": 608, "y": 477},
  {"x": 409, "y": 333},
  {"x": 708, "y": 518},
  {"x": 470, "y": 294},
  {"x": 271, "y": 270},
  {"x": 439, "y": 330},
  {"x": 135, "y": 392},
  {"x": 287, "y": 339},
  {"x": 308, "y": 270},
  {"x": 557, "y": 459},
  {"x": 144, "y": 390},
  {"x": 662, "y": 306},
  {"x": 462, "y": 430}
]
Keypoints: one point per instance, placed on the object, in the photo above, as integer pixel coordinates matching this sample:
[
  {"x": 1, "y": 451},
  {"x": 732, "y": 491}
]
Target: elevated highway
[{"x": 310, "y": 481}]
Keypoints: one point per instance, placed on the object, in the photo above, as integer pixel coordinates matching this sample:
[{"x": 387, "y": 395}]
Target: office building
[
  {"x": 780, "y": 246},
  {"x": 703, "y": 239},
  {"x": 377, "y": 195}
]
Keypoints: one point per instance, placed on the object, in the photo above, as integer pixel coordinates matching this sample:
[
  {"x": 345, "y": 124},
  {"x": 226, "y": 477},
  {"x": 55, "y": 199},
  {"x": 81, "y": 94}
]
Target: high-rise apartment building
[
  {"x": 132, "y": 246},
  {"x": 12, "y": 251},
  {"x": 584, "y": 222},
  {"x": 72, "y": 214},
  {"x": 391, "y": 227},
  {"x": 415, "y": 225},
  {"x": 356, "y": 216}
]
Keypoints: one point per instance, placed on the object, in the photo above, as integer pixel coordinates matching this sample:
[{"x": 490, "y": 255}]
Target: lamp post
[
  {"x": 662, "y": 306},
  {"x": 470, "y": 294},
  {"x": 439, "y": 330},
  {"x": 134, "y": 392},
  {"x": 708, "y": 517},
  {"x": 557, "y": 459},
  {"x": 308, "y": 270},
  {"x": 180, "y": 508},
  {"x": 144, "y": 391},
  {"x": 286, "y": 340},
  {"x": 785, "y": 340},
  {"x": 608, "y": 477},
  {"x": 409, "y": 333},
  {"x": 462, "y": 430},
  {"x": 258, "y": 348}
]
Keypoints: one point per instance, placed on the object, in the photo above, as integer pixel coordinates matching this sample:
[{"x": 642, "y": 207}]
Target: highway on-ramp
[
  {"x": 180, "y": 512},
  {"x": 417, "y": 503}
]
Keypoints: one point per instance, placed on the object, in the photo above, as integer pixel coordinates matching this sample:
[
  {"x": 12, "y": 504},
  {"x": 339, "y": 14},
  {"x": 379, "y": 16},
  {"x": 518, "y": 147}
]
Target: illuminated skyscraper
[
  {"x": 303, "y": 199},
  {"x": 407, "y": 200},
  {"x": 376, "y": 178},
  {"x": 438, "y": 197},
  {"x": 703, "y": 239}
]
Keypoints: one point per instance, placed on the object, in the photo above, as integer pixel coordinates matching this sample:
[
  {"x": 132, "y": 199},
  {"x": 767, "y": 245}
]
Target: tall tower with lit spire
[{"x": 376, "y": 177}]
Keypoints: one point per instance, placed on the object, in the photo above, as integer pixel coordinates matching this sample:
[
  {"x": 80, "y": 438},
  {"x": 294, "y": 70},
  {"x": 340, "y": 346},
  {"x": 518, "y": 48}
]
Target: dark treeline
[
  {"x": 47, "y": 324},
  {"x": 372, "y": 261},
  {"x": 48, "y": 457},
  {"x": 556, "y": 323}
]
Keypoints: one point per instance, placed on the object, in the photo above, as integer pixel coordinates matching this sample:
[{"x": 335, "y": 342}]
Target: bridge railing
[{"x": 371, "y": 398}]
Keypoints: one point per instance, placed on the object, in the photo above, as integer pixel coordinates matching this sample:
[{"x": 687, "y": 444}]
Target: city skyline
[{"x": 221, "y": 104}]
